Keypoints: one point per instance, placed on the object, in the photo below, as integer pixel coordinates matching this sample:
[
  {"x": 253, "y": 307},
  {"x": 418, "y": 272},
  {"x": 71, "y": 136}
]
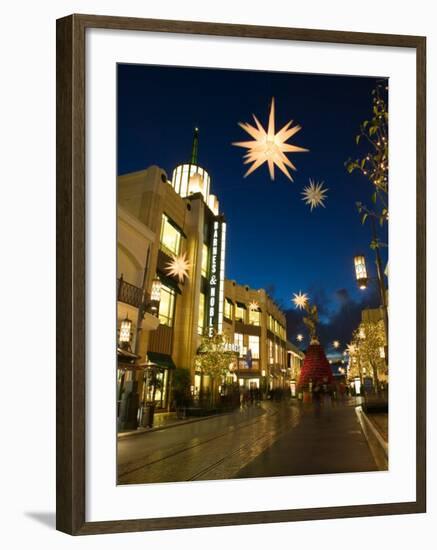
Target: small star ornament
[
  {"x": 269, "y": 146},
  {"x": 299, "y": 300},
  {"x": 179, "y": 267},
  {"x": 314, "y": 194},
  {"x": 253, "y": 306}
]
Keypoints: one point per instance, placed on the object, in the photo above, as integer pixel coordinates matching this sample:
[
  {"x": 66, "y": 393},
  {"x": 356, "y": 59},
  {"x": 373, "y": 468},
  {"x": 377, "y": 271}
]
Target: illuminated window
[
  {"x": 240, "y": 313},
  {"x": 254, "y": 346},
  {"x": 271, "y": 358},
  {"x": 238, "y": 340},
  {"x": 166, "y": 306},
  {"x": 201, "y": 322},
  {"x": 271, "y": 323},
  {"x": 254, "y": 317},
  {"x": 228, "y": 309},
  {"x": 170, "y": 237},
  {"x": 205, "y": 260}
]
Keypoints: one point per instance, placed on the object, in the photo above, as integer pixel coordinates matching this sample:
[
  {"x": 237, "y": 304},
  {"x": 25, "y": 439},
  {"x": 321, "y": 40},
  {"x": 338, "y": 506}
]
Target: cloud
[{"x": 339, "y": 316}]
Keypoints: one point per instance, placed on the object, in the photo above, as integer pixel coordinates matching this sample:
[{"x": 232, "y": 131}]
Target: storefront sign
[{"x": 217, "y": 277}]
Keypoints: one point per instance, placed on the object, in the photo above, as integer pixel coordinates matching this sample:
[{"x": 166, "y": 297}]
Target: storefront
[{"x": 157, "y": 377}]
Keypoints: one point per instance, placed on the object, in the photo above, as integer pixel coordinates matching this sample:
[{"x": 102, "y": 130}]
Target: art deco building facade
[{"x": 172, "y": 231}]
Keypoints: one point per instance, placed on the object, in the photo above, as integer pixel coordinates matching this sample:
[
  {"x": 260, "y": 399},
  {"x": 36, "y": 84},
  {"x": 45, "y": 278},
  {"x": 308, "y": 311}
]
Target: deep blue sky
[{"x": 273, "y": 239}]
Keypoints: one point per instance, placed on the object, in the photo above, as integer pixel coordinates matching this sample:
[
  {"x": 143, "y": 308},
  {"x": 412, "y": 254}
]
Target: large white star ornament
[
  {"x": 269, "y": 146},
  {"x": 179, "y": 267},
  {"x": 300, "y": 300},
  {"x": 314, "y": 194},
  {"x": 254, "y": 306}
]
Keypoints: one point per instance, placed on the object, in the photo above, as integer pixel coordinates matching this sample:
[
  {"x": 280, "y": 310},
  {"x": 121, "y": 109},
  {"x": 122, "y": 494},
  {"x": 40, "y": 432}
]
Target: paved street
[
  {"x": 274, "y": 439},
  {"x": 324, "y": 441}
]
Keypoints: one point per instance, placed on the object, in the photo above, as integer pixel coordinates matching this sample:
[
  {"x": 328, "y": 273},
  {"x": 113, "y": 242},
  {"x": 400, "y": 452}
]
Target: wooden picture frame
[{"x": 71, "y": 248}]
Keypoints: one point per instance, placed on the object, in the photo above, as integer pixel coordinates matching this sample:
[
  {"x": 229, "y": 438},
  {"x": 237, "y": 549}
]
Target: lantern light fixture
[
  {"x": 361, "y": 271},
  {"x": 125, "y": 331},
  {"x": 155, "y": 295}
]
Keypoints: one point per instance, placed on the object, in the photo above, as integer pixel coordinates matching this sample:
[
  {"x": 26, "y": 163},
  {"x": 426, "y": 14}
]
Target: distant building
[{"x": 257, "y": 327}]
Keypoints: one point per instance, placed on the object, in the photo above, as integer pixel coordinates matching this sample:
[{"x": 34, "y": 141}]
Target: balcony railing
[{"x": 129, "y": 294}]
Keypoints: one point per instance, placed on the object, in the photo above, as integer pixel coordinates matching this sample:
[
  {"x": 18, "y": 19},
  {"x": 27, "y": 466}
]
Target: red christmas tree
[{"x": 315, "y": 367}]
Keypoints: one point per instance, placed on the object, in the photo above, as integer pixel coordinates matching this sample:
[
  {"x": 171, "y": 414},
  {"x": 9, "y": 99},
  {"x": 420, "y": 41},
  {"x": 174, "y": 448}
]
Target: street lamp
[{"x": 361, "y": 271}]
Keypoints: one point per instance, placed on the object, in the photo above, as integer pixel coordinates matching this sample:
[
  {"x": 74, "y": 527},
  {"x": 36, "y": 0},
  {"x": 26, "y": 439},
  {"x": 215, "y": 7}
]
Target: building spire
[{"x": 195, "y": 148}]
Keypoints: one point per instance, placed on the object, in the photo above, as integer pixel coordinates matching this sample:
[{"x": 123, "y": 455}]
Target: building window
[
  {"x": 254, "y": 317},
  {"x": 166, "y": 306},
  {"x": 254, "y": 346},
  {"x": 271, "y": 323},
  {"x": 205, "y": 260},
  {"x": 238, "y": 340},
  {"x": 171, "y": 237},
  {"x": 240, "y": 313},
  {"x": 201, "y": 321},
  {"x": 228, "y": 309},
  {"x": 271, "y": 359}
]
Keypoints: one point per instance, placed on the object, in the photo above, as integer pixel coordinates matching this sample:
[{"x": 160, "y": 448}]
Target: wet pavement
[
  {"x": 270, "y": 440},
  {"x": 327, "y": 440}
]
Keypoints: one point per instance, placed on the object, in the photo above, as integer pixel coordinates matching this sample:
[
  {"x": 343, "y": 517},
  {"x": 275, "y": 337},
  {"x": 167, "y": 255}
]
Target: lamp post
[
  {"x": 151, "y": 305},
  {"x": 362, "y": 278}
]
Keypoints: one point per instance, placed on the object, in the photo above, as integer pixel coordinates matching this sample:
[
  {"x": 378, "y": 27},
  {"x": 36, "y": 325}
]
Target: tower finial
[{"x": 195, "y": 148}]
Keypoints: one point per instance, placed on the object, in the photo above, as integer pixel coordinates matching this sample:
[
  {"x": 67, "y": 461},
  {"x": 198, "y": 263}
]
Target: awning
[
  {"x": 126, "y": 355},
  {"x": 161, "y": 359}
]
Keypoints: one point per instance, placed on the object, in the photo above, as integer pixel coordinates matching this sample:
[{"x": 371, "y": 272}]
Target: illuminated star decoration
[
  {"x": 314, "y": 194},
  {"x": 336, "y": 344},
  {"x": 269, "y": 146},
  {"x": 300, "y": 300},
  {"x": 254, "y": 306},
  {"x": 178, "y": 267},
  {"x": 299, "y": 337}
]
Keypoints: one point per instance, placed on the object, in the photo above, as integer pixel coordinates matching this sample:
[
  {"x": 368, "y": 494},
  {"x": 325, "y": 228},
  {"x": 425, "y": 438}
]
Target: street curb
[{"x": 381, "y": 445}]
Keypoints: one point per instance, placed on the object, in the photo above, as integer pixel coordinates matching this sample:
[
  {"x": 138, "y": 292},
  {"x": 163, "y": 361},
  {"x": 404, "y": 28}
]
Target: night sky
[{"x": 273, "y": 240}]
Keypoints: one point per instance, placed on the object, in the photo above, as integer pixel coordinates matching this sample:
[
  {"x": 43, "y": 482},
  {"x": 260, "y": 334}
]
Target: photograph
[{"x": 252, "y": 274}]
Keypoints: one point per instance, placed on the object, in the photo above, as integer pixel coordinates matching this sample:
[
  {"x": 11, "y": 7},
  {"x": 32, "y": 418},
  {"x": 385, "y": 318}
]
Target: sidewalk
[
  {"x": 166, "y": 420},
  {"x": 380, "y": 421}
]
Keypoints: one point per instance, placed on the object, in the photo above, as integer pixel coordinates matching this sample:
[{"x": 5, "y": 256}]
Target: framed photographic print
[{"x": 240, "y": 293}]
